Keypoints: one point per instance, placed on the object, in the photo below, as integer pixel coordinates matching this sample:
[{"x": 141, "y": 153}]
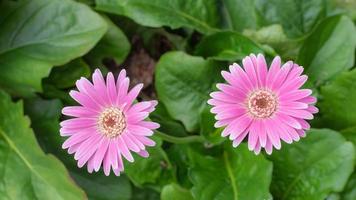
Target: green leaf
[
  {"x": 39, "y": 34},
  {"x": 65, "y": 76},
  {"x": 230, "y": 46},
  {"x": 312, "y": 168},
  {"x": 237, "y": 174},
  {"x": 274, "y": 36},
  {"x": 349, "y": 192},
  {"x": 113, "y": 45},
  {"x": 174, "y": 191},
  {"x": 350, "y": 135},
  {"x": 183, "y": 83},
  {"x": 338, "y": 101},
  {"x": 200, "y": 15},
  {"x": 101, "y": 187},
  {"x": 241, "y": 14},
  {"x": 45, "y": 116},
  {"x": 152, "y": 170},
  {"x": 26, "y": 172},
  {"x": 207, "y": 129},
  {"x": 167, "y": 124},
  {"x": 329, "y": 50},
  {"x": 296, "y": 17}
]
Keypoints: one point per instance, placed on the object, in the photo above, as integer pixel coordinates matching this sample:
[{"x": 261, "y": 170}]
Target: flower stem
[{"x": 179, "y": 140}]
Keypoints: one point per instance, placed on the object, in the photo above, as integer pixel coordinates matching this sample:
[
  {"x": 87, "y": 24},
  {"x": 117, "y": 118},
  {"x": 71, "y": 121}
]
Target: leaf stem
[{"x": 180, "y": 140}]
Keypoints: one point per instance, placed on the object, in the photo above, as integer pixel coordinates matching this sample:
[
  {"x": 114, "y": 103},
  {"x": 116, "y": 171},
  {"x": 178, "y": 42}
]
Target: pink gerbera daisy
[
  {"x": 107, "y": 124},
  {"x": 265, "y": 104}
]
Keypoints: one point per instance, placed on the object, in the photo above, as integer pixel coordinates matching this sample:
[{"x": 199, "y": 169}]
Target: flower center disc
[
  {"x": 262, "y": 103},
  {"x": 112, "y": 122}
]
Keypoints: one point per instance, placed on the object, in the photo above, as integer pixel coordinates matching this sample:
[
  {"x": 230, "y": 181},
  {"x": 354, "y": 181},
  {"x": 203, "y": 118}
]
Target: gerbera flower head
[
  {"x": 107, "y": 125},
  {"x": 265, "y": 105}
]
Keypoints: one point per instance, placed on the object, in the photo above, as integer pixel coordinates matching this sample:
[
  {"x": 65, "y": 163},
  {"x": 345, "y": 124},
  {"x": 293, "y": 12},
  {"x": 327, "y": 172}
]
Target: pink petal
[
  {"x": 149, "y": 125},
  {"x": 76, "y": 138},
  {"x": 308, "y": 100},
  {"x": 129, "y": 143},
  {"x": 272, "y": 133},
  {"x": 132, "y": 95},
  {"x": 146, "y": 141},
  {"x": 237, "y": 126},
  {"x": 124, "y": 150},
  {"x": 143, "y": 153},
  {"x": 123, "y": 87},
  {"x": 291, "y": 121},
  {"x": 78, "y": 111},
  {"x": 312, "y": 109},
  {"x": 111, "y": 88},
  {"x": 84, "y": 100},
  {"x": 99, "y": 86},
  {"x": 301, "y": 114},
  {"x": 239, "y": 139},
  {"x": 295, "y": 95},
  {"x": 137, "y": 117},
  {"x": 85, "y": 86},
  {"x": 273, "y": 70},
  {"x": 281, "y": 75},
  {"x": 250, "y": 71},
  {"x": 261, "y": 69},
  {"x": 231, "y": 91},
  {"x": 100, "y": 153},
  {"x": 139, "y": 130}
]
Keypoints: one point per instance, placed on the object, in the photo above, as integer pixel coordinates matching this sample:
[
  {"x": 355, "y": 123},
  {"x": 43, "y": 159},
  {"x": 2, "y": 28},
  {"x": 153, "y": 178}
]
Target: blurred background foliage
[{"x": 177, "y": 48}]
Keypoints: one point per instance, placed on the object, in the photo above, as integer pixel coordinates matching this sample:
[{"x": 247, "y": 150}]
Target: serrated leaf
[
  {"x": 237, "y": 174},
  {"x": 329, "y": 50},
  {"x": 200, "y": 15},
  {"x": 338, "y": 101},
  {"x": 39, "y": 34},
  {"x": 227, "y": 45},
  {"x": 316, "y": 166},
  {"x": 26, "y": 172},
  {"x": 183, "y": 83}
]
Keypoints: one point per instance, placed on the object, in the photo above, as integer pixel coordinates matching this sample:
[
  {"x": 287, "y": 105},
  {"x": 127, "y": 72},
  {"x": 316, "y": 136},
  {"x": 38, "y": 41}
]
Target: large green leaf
[
  {"x": 227, "y": 45},
  {"x": 329, "y": 50},
  {"x": 183, "y": 83},
  {"x": 274, "y": 36},
  {"x": 296, "y": 17},
  {"x": 174, "y": 191},
  {"x": 241, "y": 14},
  {"x": 338, "y": 101},
  {"x": 237, "y": 174},
  {"x": 45, "y": 116},
  {"x": 26, "y": 172},
  {"x": 201, "y": 15},
  {"x": 35, "y": 35},
  {"x": 312, "y": 168},
  {"x": 113, "y": 45}
]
